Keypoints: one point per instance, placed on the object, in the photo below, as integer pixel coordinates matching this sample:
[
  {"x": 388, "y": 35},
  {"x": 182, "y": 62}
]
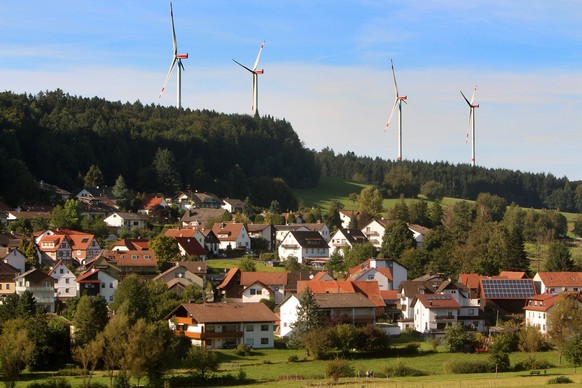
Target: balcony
[
  {"x": 204, "y": 336},
  {"x": 184, "y": 320},
  {"x": 290, "y": 246},
  {"x": 445, "y": 318}
]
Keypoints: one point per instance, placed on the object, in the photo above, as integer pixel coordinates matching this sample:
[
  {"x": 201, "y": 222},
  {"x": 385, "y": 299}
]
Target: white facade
[
  {"x": 291, "y": 247},
  {"x": 65, "y": 282},
  {"x": 125, "y": 220},
  {"x": 43, "y": 292},
  {"x": 255, "y": 292},
  {"x": 373, "y": 274},
  {"x": 288, "y": 315},
  {"x": 399, "y": 272},
  {"x": 16, "y": 259},
  {"x": 374, "y": 231}
]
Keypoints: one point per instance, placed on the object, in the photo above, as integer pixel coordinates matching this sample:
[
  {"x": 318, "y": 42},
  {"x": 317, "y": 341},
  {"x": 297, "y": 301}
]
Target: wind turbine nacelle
[
  {"x": 475, "y": 106},
  {"x": 259, "y": 71},
  {"x": 182, "y": 56},
  {"x": 403, "y": 98}
]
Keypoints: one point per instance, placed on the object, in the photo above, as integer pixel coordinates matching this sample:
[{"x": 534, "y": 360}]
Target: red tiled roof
[
  {"x": 437, "y": 301},
  {"x": 561, "y": 279},
  {"x": 227, "y": 231},
  {"x": 132, "y": 258},
  {"x": 191, "y": 246},
  {"x": 267, "y": 278},
  {"x": 186, "y": 232},
  {"x": 228, "y": 277},
  {"x": 513, "y": 275}
]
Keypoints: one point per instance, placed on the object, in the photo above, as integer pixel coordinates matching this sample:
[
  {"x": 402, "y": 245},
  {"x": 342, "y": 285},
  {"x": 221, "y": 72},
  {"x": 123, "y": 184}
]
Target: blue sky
[{"x": 327, "y": 69}]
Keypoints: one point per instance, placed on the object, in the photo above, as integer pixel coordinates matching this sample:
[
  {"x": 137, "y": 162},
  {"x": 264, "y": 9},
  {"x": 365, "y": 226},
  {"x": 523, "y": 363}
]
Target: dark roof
[
  {"x": 507, "y": 288},
  {"x": 225, "y": 312},
  {"x": 309, "y": 239},
  {"x": 342, "y": 300}
]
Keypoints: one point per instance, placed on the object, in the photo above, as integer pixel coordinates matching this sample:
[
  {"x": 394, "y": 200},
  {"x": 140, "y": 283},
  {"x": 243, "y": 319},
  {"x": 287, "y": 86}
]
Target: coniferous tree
[
  {"x": 94, "y": 177},
  {"x": 308, "y": 318},
  {"x": 397, "y": 239},
  {"x": 559, "y": 258},
  {"x": 90, "y": 319}
]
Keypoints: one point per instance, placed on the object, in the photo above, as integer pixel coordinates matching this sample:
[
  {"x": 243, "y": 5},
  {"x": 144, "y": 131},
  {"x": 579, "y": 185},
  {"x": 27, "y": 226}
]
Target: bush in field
[
  {"x": 293, "y": 358},
  {"x": 242, "y": 350},
  {"x": 399, "y": 369},
  {"x": 318, "y": 342},
  {"x": 531, "y": 362},
  {"x": 339, "y": 368},
  {"x": 57, "y": 383},
  {"x": 464, "y": 367},
  {"x": 560, "y": 380}
]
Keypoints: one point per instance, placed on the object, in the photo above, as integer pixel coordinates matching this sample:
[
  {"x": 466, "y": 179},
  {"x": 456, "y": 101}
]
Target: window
[
  {"x": 264, "y": 327},
  {"x": 110, "y": 285},
  {"x": 250, "y": 328},
  {"x": 0, "y": 286},
  {"x": 8, "y": 286},
  {"x": 370, "y": 277},
  {"x": 471, "y": 312},
  {"x": 102, "y": 285},
  {"x": 67, "y": 290},
  {"x": 264, "y": 341},
  {"x": 61, "y": 271},
  {"x": 253, "y": 291},
  {"x": 111, "y": 298},
  {"x": 67, "y": 281},
  {"x": 276, "y": 288}
]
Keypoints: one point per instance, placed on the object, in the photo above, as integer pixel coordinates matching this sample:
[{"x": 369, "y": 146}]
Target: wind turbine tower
[
  {"x": 175, "y": 58},
  {"x": 471, "y": 126},
  {"x": 255, "y": 74},
  {"x": 397, "y": 103}
]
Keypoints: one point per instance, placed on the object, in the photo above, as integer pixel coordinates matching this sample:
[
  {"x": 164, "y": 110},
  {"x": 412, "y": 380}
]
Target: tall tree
[
  {"x": 564, "y": 321},
  {"x": 94, "y": 177},
  {"x": 559, "y": 258},
  {"x": 164, "y": 165},
  {"x": 489, "y": 207},
  {"x": 573, "y": 350},
  {"x": 90, "y": 319},
  {"x": 397, "y": 239},
  {"x": 201, "y": 361},
  {"x": 165, "y": 247},
  {"x": 308, "y": 318},
  {"x": 370, "y": 200},
  {"x": 15, "y": 351},
  {"x": 131, "y": 299}
]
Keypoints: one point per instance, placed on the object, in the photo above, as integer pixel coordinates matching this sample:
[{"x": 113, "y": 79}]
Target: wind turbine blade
[
  {"x": 391, "y": 113},
  {"x": 181, "y": 64},
  {"x": 394, "y": 76},
  {"x": 173, "y": 30},
  {"x": 466, "y": 99},
  {"x": 240, "y": 64},
  {"x": 168, "y": 77},
  {"x": 473, "y": 96},
  {"x": 259, "y": 56}
]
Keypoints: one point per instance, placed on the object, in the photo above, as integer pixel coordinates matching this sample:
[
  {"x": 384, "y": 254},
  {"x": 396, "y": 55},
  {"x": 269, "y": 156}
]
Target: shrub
[
  {"x": 531, "y": 362},
  {"x": 560, "y": 380},
  {"x": 410, "y": 349},
  {"x": 70, "y": 372},
  {"x": 339, "y": 368},
  {"x": 56, "y": 383},
  {"x": 242, "y": 350},
  {"x": 399, "y": 369},
  {"x": 293, "y": 358},
  {"x": 464, "y": 367}
]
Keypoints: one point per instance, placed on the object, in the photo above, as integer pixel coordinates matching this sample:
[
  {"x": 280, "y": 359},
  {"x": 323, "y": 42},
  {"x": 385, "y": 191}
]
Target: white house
[
  {"x": 399, "y": 273},
  {"x": 374, "y": 231},
  {"x": 225, "y": 325},
  {"x": 346, "y": 238},
  {"x": 306, "y": 246},
  {"x": 16, "y": 259},
  {"x": 383, "y": 276},
  {"x": 232, "y": 235},
  {"x": 40, "y": 285},
  {"x": 418, "y": 233},
  {"x": 97, "y": 282},
  {"x": 539, "y": 307},
  {"x": 434, "y": 312},
  {"x": 65, "y": 281},
  {"x": 346, "y": 217},
  {"x": 556, "y": 282},
  {"x": 125, "y": 220}
]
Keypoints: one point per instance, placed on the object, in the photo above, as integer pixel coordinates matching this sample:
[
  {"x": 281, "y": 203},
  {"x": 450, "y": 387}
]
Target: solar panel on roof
[{"x": 507, "y": 289}]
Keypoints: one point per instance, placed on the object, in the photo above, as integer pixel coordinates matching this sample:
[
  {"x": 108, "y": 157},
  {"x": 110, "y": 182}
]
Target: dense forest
[
  {"x": 410, "y": 178},
  {"x": 56, "y": 138}
]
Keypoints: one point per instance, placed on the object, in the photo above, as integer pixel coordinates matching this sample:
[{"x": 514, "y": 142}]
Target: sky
[{"x": 327, "y": 69}]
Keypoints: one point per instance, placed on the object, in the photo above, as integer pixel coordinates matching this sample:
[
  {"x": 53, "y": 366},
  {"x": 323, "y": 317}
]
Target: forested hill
[
  {"x": 410, "y": 178},
  {"x": 56, "y": 137}
]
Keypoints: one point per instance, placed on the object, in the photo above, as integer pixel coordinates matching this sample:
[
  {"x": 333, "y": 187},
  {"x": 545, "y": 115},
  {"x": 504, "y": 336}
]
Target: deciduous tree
[{"x": 564, "y": 320}]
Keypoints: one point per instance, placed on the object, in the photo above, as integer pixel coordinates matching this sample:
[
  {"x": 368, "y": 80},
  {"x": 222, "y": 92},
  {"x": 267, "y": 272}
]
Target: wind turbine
[
  {"x": 255, "y": 73},
  {"x": 397, "y": 102},
  {"x": 175, "y": 58},
  {"x": 471, "y": 126}
]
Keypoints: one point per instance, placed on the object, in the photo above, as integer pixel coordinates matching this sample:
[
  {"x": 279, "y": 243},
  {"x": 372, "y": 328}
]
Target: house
[
  {"x": 97, "y": 206},
  {"x": 345, "y": 239},
  {"x": 56, "y": 194},
  {"x": 346, "y": 216},
  {"x": 556, "y": 282},
  {"x": 225, "y": 325},
  {"x": 14, "y": 215},
  {"x": 179, "y": 276},
  {"x": 398, "y": 272},
  {"x": 232, "y": 205},
  {"x": 206, "y": 200},
  {"x": 65, "y": 281},
  {"x": 14, "y": 258},
  {"x": 139, "y": 262},
  {"x": 264, "y": 231},
  {"x": 408, "y": 290},
  {"x": 307, "y": 246},
  {"x": 201, "y": 217},
  {"x": 7, "y": 275},
  {"x": 151, "y": 202},
  {"x": 232, "y": 235},
  {"x": 418, "y": 233},
  {"x": 66, "y": 244},
  {"x": 190, "y": 247},
  {"x": 40, "y": 285},
  {"x": 383, "y": 276},
  {"x": 295, "y": 277},
  {"x": 506, "y": 295},
  {"x": 282, "y": 230},
  {"x": 125, "y": 220},
  {"x": 129, "y": 244},
  {"x": 353, "y": 308},
  {"x": 538, "y": 308},
  {"x": 95, "y": 282},
  {"x": 191, "y": 232},
  {"x": 247, "y": 287}
]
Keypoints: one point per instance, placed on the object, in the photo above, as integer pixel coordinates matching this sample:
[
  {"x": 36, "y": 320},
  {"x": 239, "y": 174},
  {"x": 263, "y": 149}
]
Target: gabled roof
[
  {"x": 309, "y": 239},
  {"x": 353, "y": 236},
  {"x": 89, "y": 276},
  {"x": 495, "y": 288},
  {"x": 185, "y": 232},
  {"x": 228, "y": 231},
  {"x": 349, "y": 213},
  {"x": 7, "y": 269},
  {"x": 228, "y": 277},
  {"x": 35, "y": 276},
  {"x": 202, "y": 215},
  {"x": 132, "y": 244},
  {"x": 513, "y": 275},
  {"x": 254, "y": 228},
  {"x": 225, "y": 312},
  {"x": 326, "y": 287},
  {"x": 561, "y": 279},
  {"x": 191, "y": 246},
  {"x": 470, "y": 280},
  {"x": 358, "y": 272},
  {"x": 261, "y": 284},
  {"x": 390, "y": 295},
  {"x": 544, "y": 302},
  {"x": 268, "y": 278},
  {"x": 129, "y": 216},
  {"x": 437, "y": 301}
]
